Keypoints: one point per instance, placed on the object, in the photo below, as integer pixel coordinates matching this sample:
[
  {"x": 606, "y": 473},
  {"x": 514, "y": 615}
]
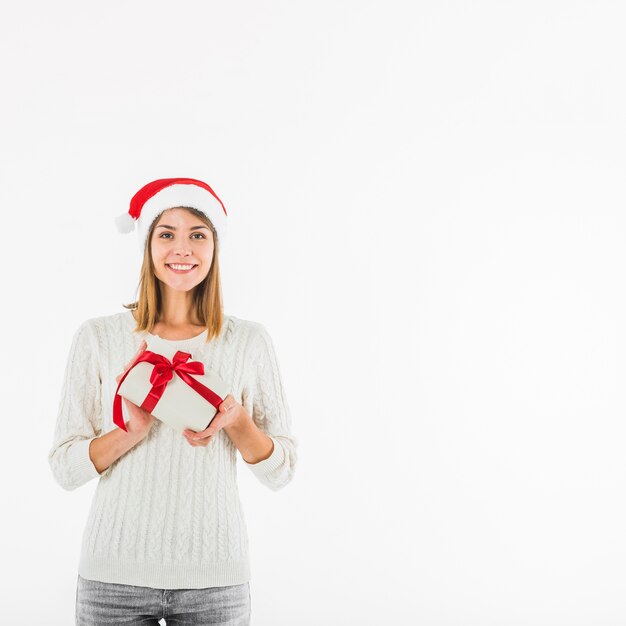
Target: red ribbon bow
[{"x": 162, "y": 373}]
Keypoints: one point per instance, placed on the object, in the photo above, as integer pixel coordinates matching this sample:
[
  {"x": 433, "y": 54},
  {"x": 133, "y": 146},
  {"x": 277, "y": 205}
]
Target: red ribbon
[{"x": 162, "y": 373}]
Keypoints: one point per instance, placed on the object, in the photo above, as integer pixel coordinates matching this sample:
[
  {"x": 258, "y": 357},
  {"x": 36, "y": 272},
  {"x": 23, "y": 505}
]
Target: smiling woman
[
  {"x": 180, "y": 273},
  {"x": 166, "y": 513},
  {"x": 174, "y": 239}
]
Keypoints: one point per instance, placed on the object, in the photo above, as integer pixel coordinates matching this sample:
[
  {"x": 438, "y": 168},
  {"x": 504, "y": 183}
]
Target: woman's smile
[{"x": 181, "y": 268}]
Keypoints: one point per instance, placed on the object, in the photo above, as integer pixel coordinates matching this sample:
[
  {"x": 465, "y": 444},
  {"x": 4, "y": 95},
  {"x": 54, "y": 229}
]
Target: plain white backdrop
[{"x": 426, "y": 206}]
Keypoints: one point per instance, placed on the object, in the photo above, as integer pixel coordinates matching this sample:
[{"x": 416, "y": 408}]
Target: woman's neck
[{"x": 177, "y": 310}]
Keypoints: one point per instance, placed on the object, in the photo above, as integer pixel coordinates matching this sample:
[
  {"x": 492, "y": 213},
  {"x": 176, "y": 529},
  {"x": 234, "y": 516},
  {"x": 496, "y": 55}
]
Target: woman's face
[{"x": 182, "y": 249}]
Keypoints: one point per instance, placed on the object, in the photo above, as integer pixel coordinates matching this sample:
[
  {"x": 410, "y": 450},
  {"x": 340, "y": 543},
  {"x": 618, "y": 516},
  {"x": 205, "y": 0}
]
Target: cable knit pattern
[{"x": 165, "y": 514}]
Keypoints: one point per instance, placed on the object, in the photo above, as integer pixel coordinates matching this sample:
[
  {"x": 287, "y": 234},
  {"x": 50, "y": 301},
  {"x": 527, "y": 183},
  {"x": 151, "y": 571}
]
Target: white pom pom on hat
[
  {"x": 166, "y": 193},
  {"x": 125, "y": 223}
]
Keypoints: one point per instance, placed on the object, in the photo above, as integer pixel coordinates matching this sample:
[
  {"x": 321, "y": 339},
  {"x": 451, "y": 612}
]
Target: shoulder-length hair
[{"x": 207, "y": 296}]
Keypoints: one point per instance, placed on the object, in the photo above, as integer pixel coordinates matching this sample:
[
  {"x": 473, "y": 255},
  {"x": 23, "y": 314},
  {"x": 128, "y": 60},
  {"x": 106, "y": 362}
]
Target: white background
[{"x": 426, "y": 207}]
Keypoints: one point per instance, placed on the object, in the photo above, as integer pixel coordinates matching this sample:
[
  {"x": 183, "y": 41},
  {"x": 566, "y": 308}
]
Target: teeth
[{"x": 180, "y": 267}]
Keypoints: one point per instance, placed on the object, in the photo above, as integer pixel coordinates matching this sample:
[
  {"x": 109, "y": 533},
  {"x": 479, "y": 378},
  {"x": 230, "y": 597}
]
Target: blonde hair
[{"x": 207, "y": 296}]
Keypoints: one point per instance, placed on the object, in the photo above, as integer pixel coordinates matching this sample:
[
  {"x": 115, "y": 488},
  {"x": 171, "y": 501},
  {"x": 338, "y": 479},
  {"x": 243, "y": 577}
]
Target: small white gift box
[{"x": 179, "y": 395}]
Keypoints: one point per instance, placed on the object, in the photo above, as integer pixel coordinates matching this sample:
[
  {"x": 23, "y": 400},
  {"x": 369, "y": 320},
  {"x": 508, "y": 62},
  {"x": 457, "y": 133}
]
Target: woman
[{"x": 166, "y": 537}]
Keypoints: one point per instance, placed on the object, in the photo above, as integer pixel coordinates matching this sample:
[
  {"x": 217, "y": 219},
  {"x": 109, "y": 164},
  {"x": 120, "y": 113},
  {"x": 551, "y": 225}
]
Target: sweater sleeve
[
  {"x": 264, "y": 398},
  {"x": 78, "y": 417}
]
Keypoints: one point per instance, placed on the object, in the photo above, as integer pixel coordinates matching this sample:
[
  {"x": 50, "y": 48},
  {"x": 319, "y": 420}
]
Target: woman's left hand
[{"x": 230, "y": 412}]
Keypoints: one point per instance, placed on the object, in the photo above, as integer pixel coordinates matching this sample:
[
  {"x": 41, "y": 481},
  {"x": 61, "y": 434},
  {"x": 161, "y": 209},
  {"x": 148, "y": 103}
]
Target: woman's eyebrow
[{"x": 174, "y": 227}]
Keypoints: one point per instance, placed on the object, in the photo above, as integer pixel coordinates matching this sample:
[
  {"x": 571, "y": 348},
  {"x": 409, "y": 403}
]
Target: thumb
[{"x": 142, "y": 347}]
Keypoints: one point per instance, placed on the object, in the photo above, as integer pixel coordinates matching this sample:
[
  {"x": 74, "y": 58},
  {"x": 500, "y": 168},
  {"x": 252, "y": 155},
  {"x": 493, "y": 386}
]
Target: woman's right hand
[{"x": 140, "y": 421}]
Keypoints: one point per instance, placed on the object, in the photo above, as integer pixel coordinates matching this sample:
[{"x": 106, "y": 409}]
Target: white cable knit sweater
[{"x": 165, "y": 514}]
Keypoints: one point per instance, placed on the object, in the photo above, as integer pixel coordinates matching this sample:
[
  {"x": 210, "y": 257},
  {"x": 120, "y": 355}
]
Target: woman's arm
[
  {"x": 260, "y": 427},
  {"x": 78, "y": 417},
  {"x": 253, "y": 444},
  {"x": 80, "y": 451},
  {"x": 265, "y": 402},
  {"x": 106, "y": 449}
]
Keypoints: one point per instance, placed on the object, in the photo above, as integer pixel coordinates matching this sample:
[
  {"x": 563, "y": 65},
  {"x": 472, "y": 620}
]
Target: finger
[
  {"x": 203, "y": 442},
  {"x": 227, "y": 403},
  {"x": 215, "y": 425},
  {"x": 198, "y": 437}
]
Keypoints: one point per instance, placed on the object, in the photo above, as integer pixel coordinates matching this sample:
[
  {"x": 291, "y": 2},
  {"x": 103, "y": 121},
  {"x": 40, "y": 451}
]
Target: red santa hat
[{"x": 167, "y": 193}]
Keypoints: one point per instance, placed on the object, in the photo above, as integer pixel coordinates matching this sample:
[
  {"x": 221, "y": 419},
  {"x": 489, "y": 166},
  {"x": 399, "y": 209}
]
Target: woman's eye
[{"x": 201, "y": 235}]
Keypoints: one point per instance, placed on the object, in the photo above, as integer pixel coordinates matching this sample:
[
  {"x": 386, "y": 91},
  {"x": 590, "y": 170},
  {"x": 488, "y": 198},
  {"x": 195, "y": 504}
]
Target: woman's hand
[
  {"x": 140, "y": 421},
  {"x": 229, "y": 412}
]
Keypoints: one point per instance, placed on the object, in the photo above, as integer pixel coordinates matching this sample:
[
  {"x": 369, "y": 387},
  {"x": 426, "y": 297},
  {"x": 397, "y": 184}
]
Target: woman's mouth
[{"x": 180, "y": 268}]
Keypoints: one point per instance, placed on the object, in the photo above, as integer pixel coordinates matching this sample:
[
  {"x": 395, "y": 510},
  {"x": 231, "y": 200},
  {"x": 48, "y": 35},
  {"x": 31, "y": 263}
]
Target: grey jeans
[{"x": 106, "y": 604}]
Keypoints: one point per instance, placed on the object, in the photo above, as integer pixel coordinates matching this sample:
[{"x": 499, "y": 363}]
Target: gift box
[{"x": 173, "y": 386}]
